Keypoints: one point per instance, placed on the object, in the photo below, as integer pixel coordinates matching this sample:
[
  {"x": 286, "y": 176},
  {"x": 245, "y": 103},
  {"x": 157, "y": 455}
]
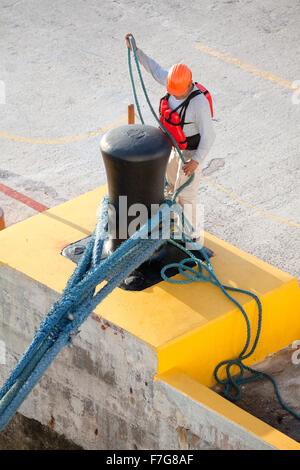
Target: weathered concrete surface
[
  {"x": 23, "y": 433},
  {"x": 194, "y": 426},
  {"x": 259, "y": 397},
  {"x": 99, "y": 392}
]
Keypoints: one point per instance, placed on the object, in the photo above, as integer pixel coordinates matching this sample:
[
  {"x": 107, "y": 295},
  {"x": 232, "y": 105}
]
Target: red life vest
[{"x": 173, "y": 119}]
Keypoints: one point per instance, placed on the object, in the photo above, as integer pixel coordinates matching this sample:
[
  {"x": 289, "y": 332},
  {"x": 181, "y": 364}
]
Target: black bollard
[{"x": 135, "y": 158}]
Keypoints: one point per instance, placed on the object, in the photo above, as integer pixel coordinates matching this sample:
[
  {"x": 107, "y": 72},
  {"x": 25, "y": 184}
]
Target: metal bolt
[{"x": 78, "y": 250}]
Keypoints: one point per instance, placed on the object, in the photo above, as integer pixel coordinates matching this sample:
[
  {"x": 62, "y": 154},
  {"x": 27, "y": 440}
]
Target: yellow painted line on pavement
[
  {"x": 249, "y": 68},
  {"x": 293, "y": 224},
  {"x": 59, "y": 141}
]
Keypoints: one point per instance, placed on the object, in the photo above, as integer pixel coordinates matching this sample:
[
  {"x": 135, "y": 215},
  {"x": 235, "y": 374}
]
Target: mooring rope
[{"x": 76, "y": 303}]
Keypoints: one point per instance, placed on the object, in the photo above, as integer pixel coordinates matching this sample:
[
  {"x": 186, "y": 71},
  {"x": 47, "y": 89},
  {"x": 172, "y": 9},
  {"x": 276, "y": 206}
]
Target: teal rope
[
  {"x": 184, "y": 185},
  {"x": 133, "y": 88},
  {"x": 230, "y": 383},
  {"x": 192, "y": 274}
]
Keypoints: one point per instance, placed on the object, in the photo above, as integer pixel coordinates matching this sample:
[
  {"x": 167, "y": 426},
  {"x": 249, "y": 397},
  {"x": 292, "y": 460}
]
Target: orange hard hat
[{"x": 178, "y": 80}]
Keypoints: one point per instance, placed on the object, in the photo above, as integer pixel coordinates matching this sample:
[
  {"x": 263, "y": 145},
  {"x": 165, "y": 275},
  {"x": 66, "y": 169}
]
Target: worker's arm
[
  {"x": 205, "y": 126},
  {"x": 158, "y": 73}
]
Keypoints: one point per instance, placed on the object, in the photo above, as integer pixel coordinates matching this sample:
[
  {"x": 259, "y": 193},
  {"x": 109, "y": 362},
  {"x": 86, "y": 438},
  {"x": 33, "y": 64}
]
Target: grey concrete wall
[
  {"x": 99, "y": 392},
  {"x": 194, "y": 426}
]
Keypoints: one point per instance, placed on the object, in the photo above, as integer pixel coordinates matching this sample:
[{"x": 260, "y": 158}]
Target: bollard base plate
[{"x": 146, "y": 275}]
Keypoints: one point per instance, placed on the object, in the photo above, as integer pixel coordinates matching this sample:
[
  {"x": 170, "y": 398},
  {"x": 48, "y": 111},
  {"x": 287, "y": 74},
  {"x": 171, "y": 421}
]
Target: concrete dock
[{"x": 138, "y": 373}]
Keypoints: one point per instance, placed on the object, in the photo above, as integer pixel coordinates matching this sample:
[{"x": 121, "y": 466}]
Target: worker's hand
[
  {"x": 190, "y": 167},
  {"x": 128, "y": 42}
]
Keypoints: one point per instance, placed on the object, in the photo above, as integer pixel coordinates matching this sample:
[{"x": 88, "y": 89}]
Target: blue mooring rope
[
  {"x": 76, "y": 303},
  {"x": 79, "y": 299}
]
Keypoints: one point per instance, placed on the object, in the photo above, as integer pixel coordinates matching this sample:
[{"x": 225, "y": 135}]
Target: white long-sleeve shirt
[{"x": 198, "y": 117}]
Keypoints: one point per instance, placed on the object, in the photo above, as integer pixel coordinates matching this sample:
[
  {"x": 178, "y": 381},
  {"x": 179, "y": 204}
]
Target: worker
[{"x": 184, "y": 94}]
